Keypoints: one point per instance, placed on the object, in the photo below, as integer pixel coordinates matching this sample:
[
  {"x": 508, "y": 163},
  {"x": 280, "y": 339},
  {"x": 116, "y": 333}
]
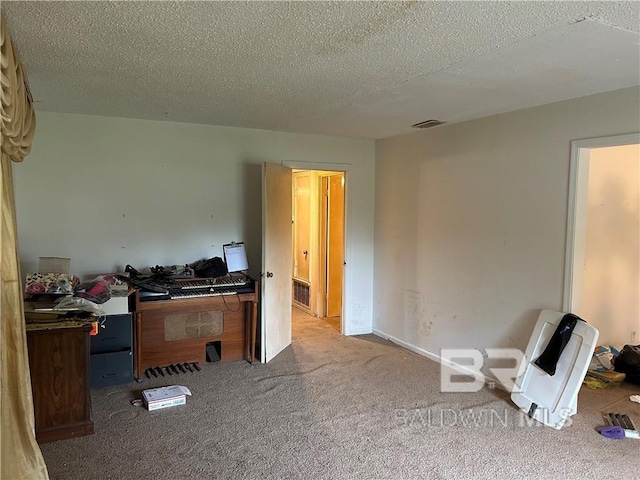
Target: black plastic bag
[
  {"x": 210, "y": 268},
  {"x": 628, "y": 362},
  {"x": 549, "y": 358}
]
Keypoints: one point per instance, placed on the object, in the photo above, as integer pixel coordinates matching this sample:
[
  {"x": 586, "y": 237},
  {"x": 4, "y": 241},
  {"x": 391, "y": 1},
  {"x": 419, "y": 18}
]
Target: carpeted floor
[
  {"x": 338, "y": 407},
  {"x": 333, "y": 322}
]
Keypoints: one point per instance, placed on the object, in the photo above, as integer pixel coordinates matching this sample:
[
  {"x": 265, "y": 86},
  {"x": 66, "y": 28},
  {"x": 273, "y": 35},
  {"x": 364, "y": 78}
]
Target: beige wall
[
  {"x": 611, "y": 281},
  {"x": 108, "y": 192},
  {"x": 471, "y": 218}
]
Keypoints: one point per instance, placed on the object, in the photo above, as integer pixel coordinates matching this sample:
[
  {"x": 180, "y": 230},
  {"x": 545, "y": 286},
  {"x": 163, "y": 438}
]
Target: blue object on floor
[{"x": 612, "y": 432}]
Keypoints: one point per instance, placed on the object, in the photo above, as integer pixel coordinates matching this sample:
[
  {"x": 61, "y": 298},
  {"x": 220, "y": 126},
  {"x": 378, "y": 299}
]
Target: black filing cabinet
[{"x": 112, "y": 351}]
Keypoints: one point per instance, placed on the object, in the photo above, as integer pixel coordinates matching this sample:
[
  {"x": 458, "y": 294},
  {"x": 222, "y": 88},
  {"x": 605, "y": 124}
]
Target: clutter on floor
[
  {"x": 560, "y": 349},
  {"x": 618, "y": 426},
  {"x": 611, "y": 367},
  {"x": 595, "y": 379},
  {"x": 628, "y": 362}
]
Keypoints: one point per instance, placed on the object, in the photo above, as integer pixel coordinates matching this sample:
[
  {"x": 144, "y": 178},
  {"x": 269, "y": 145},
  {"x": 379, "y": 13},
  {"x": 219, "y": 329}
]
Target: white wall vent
[{"x": 301, "y": 293}]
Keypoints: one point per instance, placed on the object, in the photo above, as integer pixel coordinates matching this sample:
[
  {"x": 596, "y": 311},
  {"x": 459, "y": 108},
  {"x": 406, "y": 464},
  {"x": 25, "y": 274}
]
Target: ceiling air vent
[{"x": 428, "y": 124}]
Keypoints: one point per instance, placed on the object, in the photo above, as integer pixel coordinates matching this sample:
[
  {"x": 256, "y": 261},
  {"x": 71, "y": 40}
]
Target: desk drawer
[
  {"x": 111, "y": 368},
  {"x": 114, "y": 334}
]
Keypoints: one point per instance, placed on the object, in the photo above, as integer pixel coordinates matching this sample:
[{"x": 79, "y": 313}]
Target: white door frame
[
  {"x": 576, "y": 212},
  {"x": 348, "y": 274}
]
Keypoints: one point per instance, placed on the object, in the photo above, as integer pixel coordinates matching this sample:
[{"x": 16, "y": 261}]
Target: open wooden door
[
  {"x": 276, "y": 260},
  {"x": 335, "y": 244}
]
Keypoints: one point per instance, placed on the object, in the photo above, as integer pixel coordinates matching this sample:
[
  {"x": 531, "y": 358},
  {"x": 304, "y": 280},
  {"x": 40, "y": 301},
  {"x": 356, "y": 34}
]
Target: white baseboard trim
[
  {"x": 408, "y": 346},
  {"x": 487, "y": 379}
]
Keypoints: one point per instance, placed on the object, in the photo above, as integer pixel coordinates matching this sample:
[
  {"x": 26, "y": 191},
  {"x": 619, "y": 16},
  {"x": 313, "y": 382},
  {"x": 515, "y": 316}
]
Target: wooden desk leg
[
  {"x": 254, "y": 327},
  {"x": 247, "y": 332}
]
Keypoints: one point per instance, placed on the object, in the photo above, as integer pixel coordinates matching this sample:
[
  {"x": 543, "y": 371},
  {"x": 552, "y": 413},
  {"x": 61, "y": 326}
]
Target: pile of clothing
[{"x": 610, "y": 367}]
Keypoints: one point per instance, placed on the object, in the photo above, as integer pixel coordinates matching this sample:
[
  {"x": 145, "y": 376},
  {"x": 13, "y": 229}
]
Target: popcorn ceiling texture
[{"x": 364, "y": 69}]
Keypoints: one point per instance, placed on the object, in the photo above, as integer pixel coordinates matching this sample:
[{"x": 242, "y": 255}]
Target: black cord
[{"x": 224, "y": 299}]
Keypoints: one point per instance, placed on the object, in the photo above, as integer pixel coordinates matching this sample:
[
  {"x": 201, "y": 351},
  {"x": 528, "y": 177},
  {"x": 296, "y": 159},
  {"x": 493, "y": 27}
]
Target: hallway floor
[{"x": 302, "y": 320}]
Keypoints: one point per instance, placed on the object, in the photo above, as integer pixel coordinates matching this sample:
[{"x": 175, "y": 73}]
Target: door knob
[{"x": 269, "y": 274}]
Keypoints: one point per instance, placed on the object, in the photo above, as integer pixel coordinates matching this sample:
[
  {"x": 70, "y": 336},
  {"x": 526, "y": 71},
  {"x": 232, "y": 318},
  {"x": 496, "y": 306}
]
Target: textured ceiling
[{"x": 361, "y": 69}]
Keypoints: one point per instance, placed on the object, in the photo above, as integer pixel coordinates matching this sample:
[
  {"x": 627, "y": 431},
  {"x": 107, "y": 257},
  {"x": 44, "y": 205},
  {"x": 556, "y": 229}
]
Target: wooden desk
[
  {"x": 154, "y": 346},
  {"x": 59, "y": 364}
]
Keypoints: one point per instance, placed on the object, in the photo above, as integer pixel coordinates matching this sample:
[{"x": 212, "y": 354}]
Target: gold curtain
[{"x": 21, "y": 457}]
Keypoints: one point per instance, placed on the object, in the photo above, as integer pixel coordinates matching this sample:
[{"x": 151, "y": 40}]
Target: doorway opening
[
  {"x": 602, "y": 272},
  {"x": 277, "y": 266},
  {"x": 318, "y": 238}
]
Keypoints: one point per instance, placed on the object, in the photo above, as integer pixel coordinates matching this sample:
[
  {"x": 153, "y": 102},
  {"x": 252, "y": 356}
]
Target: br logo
[{"x": 469, "y": 362}]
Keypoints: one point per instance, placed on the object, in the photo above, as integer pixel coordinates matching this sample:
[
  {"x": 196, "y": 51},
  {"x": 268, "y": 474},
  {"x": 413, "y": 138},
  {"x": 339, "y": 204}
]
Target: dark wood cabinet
[{"x": 59, "y": 363}]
